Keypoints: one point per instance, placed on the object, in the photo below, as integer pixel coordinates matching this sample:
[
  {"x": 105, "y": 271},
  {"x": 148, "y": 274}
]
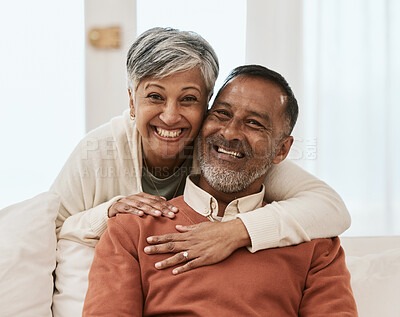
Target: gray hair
[{"x": 160, "y": 52}]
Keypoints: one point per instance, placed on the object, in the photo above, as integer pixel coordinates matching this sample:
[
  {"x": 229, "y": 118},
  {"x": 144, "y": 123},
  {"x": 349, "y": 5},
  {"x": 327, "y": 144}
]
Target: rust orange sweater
[{"x": 309, "y": 279}]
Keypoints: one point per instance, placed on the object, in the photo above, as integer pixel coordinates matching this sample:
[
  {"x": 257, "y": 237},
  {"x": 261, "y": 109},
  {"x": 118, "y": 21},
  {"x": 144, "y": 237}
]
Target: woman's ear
[
  {"x": 131, "y": 105},
  {"x": 283, "y": 149},
  {"x": 131, "y": 100}
]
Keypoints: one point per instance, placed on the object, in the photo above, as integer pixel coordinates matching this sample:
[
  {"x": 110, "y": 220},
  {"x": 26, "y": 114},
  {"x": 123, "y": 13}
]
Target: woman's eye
[
  {"x": 155, "y": 97},
  {"x": 190, "y": 99}
]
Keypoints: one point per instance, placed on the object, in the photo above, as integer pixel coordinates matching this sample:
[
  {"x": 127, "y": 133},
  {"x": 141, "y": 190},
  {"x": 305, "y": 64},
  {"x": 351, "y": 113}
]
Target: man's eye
[
  {"x": 255, "y": 123},
  {"x": 222, "y": 112}
]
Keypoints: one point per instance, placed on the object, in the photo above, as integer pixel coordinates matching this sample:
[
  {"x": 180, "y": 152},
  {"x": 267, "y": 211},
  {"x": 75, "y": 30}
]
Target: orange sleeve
[
  {"x": 328, "y": 291},
  {"x": 114, "y": 279}
]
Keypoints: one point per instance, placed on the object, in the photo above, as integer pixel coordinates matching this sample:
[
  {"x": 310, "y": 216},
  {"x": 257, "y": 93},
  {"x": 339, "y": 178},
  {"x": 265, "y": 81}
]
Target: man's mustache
[{"x": 234, "y": 145}]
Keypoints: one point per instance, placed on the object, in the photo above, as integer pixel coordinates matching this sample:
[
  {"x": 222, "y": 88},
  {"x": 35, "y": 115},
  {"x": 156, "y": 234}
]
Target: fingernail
[
  {"x": 157, "y": 212},
  {"x": 171, "y": 214},
  {"x": 158, "y": 265},
  {"x": 174, "y": 209},
  {"x": 147, "y": 249},
  {"x": 150, "y": 239},
  {"x": 174, "y": 271}
]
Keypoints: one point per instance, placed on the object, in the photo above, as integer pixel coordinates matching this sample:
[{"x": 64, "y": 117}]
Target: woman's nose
[{"x": 170, "y": 114}]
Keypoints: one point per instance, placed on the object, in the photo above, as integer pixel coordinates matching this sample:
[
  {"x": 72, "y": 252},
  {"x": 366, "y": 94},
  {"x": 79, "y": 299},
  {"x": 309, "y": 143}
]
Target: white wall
[
  {"x": 274, "y": 39},
  {"x": 41, "y": 93},
  {"x": 106, "y": 90}
]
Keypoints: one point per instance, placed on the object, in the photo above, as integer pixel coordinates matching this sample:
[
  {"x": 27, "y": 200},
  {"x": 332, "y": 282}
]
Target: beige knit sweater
[{"x": 107, "y": 164}]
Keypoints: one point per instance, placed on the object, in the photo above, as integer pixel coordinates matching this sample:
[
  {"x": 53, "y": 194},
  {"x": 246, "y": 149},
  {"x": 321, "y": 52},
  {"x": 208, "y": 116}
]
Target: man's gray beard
[{"x": 226, "y": 180}]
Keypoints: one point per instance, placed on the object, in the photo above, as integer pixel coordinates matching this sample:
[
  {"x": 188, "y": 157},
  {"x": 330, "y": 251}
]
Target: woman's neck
[{"x": 162, "y": 167}]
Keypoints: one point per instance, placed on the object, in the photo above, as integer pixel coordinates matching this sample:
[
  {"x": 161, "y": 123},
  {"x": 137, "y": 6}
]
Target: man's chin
[{"x": 227, "y": 166}]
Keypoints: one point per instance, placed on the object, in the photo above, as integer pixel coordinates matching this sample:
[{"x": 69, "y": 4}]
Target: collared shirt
[{"x": 206, "y": 205}]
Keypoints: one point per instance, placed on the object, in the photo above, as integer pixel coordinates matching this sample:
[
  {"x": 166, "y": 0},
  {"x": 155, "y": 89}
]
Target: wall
[
  {"x": 274, "y": 38},
  {"x": 105, "y": 82}
]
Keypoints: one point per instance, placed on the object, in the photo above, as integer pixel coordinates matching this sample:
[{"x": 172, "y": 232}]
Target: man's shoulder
[
  {"x": 312, "y": 251},
  {"x": 186, "y": 211},
  {"x": 179, "y": 202},
  {"x": 160, "y": 225},
  {"x": 326, "y": 243},
  {"x": 326, "y": 249}
]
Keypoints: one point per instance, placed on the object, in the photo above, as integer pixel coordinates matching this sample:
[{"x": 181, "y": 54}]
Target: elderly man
[{"x": 247, "y": 129}]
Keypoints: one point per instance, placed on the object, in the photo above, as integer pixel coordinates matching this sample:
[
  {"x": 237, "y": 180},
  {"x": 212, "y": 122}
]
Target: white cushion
[
  {"x": 375, "y": 279},
  {"x": 74, "y": 261},
  {"x": 28, "y": 256}
]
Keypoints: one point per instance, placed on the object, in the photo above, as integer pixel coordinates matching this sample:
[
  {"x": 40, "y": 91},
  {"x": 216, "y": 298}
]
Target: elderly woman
[{"x": 138, "y": 161}]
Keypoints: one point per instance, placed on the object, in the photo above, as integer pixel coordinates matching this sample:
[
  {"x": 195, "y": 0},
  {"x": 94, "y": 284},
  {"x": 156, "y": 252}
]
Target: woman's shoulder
[
  {"x": 119, "y": 130},
  {"x": 108, "y": 129},
  {"x": 101, "y": 146}
]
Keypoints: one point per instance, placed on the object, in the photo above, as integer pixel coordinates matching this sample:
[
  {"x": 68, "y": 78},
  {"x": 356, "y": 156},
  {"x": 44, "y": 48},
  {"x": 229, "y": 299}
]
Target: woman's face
[{"x": 169, "y": 113}]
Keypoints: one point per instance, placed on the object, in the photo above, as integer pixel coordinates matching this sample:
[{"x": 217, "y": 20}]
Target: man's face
[{"x": 241, "y": 134}]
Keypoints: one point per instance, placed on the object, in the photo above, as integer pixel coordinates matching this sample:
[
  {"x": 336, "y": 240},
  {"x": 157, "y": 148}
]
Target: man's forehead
[
  {"x": 241, "y": 84},
  {"x": 252, "y": 90}
]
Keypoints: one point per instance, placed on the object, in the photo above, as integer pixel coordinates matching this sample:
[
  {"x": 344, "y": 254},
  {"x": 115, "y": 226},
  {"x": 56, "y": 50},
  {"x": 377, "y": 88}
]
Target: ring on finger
[{"x": 186, "y": 255}]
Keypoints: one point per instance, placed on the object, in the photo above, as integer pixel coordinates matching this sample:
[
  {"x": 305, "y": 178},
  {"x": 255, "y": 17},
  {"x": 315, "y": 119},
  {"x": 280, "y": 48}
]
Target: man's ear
[{"x": 283, "y": 149}]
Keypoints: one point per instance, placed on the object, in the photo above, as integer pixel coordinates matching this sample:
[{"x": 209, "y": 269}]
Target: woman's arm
[
  {"x": 94, "y": 183},
  {"x": 85, "y": 192},
  {"x": 301, "y": 208}
]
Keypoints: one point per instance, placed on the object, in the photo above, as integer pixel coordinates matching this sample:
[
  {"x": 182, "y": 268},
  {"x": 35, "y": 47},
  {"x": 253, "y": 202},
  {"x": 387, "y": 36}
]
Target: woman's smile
[
  {"x": 169, "y": 134},
  {"x": 169, "y": 112}
]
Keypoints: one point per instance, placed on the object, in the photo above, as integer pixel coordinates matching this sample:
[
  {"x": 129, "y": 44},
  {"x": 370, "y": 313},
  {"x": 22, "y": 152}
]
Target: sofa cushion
[
  {"x": 73, "y": 265},
  {"x": 375, "y": 279},
  {"x": 28, "y": 256}
]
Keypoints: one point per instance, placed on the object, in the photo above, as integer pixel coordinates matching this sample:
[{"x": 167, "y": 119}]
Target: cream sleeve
[
  {"x": 90, "y": 181},
  {"x": 301, "y": 208}
]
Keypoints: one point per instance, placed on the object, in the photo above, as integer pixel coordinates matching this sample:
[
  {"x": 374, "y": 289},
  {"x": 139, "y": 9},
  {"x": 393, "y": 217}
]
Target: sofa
[{"x": 29, "y": 253}]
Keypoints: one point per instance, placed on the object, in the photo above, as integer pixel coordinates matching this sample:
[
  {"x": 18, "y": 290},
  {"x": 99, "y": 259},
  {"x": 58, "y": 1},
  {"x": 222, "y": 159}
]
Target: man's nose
[
  {"x": 232, "y": 130},
  {"x": 170, "y": 114}
]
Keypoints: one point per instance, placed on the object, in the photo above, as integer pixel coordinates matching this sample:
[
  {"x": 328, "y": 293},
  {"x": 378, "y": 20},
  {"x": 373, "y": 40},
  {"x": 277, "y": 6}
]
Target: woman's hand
[
  {"x": 199, "y": 245},
  {"x": 142, "y": 203}
]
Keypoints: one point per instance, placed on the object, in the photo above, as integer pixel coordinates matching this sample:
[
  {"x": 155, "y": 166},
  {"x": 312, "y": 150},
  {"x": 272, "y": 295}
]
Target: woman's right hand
[{"x": 142, "y": 203}]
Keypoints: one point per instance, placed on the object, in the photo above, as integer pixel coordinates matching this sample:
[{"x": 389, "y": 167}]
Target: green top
[{"x": 167, "y": 187}]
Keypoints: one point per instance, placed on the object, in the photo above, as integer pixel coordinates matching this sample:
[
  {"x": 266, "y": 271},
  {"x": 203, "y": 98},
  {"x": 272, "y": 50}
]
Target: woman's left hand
[{"x": 199, "y": 245}]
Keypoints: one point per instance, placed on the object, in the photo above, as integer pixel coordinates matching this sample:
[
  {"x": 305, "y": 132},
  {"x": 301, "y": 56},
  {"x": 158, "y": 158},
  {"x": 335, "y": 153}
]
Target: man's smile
[{"x": 232, "y": 153}]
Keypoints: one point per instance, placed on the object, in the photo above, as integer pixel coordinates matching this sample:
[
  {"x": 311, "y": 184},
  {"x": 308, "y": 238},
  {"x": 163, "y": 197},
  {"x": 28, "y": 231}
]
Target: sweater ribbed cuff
[
  {"x": 99, "y": 216},
  {"x": 262, "y": 228}
]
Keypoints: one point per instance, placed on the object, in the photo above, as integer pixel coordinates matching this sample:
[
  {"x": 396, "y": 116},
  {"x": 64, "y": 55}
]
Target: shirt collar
[{"x": 206, "y": 205}]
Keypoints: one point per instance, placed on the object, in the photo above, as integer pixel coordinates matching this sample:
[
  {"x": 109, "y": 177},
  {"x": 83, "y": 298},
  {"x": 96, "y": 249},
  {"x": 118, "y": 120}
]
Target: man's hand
[
  {"x": 199, "y": 245},
  {"x": 142, "y": 203}
]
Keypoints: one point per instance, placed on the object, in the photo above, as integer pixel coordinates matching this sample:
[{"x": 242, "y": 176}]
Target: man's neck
[{"x": 224, "y": 199}]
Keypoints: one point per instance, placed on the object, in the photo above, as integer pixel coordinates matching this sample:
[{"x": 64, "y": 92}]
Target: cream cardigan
[{"x": 107, "y": 165}]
